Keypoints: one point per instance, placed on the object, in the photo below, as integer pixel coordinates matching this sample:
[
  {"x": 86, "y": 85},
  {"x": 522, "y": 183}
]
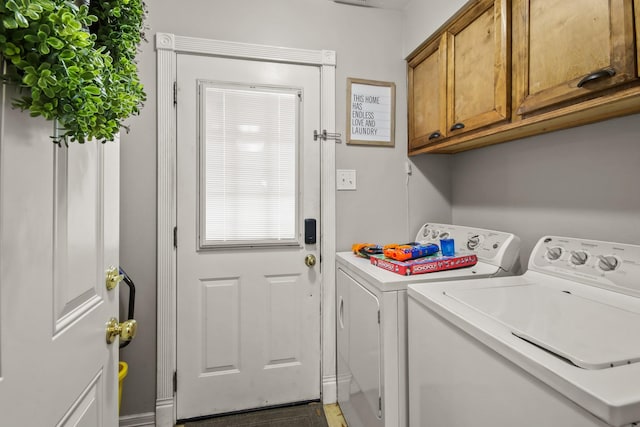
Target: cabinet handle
[
  {"x": 341, "y": 313},
  {"x": 596, "y": 75},
  {"x": 435, "y": 135},
  {"x": 457, "y": 126}
]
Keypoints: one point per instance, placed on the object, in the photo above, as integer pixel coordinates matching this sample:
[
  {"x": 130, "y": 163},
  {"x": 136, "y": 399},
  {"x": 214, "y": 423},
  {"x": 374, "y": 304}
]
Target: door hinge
[
  {"x": 175, "y": 237},
  {"x": 175, "y": 93},
  {"x": 175, "y": 382}
]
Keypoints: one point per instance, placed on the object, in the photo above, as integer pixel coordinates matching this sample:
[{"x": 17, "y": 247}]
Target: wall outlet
[{"x": 346, "y": 179}]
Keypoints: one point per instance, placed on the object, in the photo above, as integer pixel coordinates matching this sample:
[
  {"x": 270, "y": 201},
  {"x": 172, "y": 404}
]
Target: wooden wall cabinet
[
  {"x": 565, "y": 64},
  {"x": 427, "y": 85},
  {"x": 458, "y": 81},
  {"x": 568, "y": 49}
]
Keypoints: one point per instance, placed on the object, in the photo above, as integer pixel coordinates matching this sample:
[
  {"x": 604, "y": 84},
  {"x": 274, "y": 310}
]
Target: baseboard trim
[
  {"x": 329, "y": 390},
  {"x": 165, "y": 414},
  {"x": 138, "y": 420}
]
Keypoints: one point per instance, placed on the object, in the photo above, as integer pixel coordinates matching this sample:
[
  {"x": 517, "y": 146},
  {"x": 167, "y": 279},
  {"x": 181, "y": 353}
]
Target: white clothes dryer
[
  {"x": 372, "y": 320},
  {"x": 557, "y": 346}
]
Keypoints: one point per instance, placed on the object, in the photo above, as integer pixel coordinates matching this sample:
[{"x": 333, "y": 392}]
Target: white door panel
[
  {"x": 76, "y": 239},
  {"x": 248, "y": 318},
  {"x": 359, "y": 353},
  {"x": 365, "y": 345},
  {"x": 57, "y": 237},
  {"x": 85, "y": 411}
]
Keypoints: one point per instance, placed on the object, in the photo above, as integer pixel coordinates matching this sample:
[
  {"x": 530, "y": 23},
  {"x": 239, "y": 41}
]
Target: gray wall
[
  {"x": 423, "y": 18},
  {"x": 368, "y": 43},
  {"x": 580, "y": 182},
  {"x": 430, "y": 190}
]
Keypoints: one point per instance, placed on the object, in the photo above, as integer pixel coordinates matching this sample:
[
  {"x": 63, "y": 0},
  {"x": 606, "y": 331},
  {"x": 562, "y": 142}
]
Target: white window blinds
[{"x": 249, "y": 169}]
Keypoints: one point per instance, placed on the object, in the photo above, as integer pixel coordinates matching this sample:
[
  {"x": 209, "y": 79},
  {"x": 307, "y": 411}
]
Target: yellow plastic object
[{"x": 122, "y": 373}]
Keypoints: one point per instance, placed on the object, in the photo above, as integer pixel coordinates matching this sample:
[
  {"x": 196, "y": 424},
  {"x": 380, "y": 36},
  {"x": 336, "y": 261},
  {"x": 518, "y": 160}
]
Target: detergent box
[{"x": 427, "y": 264}]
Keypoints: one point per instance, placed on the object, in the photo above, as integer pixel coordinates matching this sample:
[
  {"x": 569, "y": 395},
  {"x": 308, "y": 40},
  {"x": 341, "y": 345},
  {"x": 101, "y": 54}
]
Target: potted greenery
[{"x": 75, "y": 63}]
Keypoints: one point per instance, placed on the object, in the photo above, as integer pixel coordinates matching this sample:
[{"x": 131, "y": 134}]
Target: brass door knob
[
  {"x": 112, "y": 278},
  {"x": 310, "y": 260},
  {"x": 126, "y": 330}
]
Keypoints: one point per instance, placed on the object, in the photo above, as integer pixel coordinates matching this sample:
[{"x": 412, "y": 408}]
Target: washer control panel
[
  {"x": 494, "y": 247},
  {"x": 606, "y": 264}
]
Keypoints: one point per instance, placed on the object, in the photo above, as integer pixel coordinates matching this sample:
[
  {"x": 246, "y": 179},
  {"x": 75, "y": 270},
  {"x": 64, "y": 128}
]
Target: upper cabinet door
[
  {"x": 565, "y": 50},
  {"x": 427, "y": 74},
  {"x": 478, "y": 63},
  {"x": 458, "y": 80}
]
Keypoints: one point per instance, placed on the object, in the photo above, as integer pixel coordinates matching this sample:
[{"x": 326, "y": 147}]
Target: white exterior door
[
  {"x": 59, "y": 217},
  {"x": 248, "y": 309}
]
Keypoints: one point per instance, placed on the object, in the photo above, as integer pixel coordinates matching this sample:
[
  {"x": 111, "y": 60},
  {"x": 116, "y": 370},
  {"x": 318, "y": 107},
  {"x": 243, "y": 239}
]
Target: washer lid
[
  {"x": 386, "y": 281},
  {"x": 590, "y": 334}
]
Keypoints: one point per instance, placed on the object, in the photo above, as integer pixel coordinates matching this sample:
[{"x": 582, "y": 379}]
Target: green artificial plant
[{"x": 75, "y": 63}]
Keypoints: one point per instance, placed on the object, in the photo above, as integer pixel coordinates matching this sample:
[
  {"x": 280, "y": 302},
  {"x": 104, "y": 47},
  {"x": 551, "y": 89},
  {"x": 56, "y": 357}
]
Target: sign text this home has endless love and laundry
[{"x": 370, "y": 112}]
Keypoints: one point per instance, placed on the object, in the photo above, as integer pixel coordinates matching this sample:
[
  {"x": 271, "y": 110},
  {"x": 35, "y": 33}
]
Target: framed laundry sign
[{"x": 371, "y": 112}]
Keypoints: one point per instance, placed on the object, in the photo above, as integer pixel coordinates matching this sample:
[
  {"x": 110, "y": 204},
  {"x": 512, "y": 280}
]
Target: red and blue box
[{"x": 424, "y": 265}]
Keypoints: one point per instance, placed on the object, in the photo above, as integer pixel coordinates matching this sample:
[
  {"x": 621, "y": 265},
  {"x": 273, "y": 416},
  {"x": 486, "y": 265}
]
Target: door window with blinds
[{"x": 249, "y": 165}]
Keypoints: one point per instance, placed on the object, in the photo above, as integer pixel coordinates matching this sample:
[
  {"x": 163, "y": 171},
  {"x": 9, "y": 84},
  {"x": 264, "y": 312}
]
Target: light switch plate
[{"x": 346, "y": 179}]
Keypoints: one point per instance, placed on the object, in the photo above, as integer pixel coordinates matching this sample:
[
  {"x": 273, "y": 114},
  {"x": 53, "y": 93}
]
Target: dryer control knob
[
  {"x": 608, "y": 263},
  {"x": 578, "y": 257},
  {"x": 473, "y": 242},
  {"x": 553, "y": 254}
]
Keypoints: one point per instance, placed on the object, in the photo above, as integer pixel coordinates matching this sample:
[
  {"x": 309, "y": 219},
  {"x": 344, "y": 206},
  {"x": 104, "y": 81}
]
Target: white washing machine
[
  {"x": 557, "y": 346},
  {"x": 372, "y": 321}
]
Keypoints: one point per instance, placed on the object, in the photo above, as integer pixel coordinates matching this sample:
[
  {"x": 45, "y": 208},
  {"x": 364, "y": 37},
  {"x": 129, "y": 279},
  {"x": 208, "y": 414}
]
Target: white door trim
[{"x": 168, "y": 46}]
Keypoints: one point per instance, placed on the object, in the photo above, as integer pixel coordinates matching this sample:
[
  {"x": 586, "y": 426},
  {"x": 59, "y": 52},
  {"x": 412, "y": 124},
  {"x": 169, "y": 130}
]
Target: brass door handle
[
  {"x": 112, "y": 278},
  {"x": 126, "y": 330},
  {"x": 310, "y": 260}
]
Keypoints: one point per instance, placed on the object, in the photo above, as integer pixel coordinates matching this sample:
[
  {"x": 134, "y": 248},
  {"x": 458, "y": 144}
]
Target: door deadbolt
[
  {"x": 112, "y": 278},
  {"x": 126, "y": 330}
]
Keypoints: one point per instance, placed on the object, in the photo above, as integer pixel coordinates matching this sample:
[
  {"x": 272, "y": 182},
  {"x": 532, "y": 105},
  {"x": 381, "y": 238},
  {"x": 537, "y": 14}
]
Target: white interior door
[
  {"x": 248, "y": 309},
  {"x": 59, "y": 217}
]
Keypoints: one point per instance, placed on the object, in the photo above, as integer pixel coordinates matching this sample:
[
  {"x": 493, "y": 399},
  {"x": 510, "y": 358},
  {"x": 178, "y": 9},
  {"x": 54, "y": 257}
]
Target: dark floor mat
[{"x": 308, "y": 415}]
